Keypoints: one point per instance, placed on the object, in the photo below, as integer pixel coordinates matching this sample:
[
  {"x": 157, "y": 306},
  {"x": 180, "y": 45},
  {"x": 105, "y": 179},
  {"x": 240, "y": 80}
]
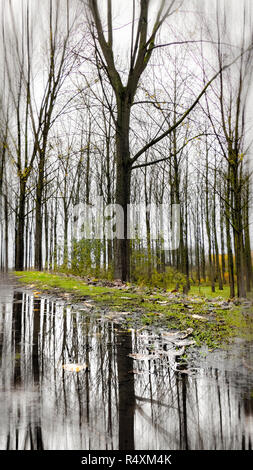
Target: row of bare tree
[{"x": 99, "y": 102}]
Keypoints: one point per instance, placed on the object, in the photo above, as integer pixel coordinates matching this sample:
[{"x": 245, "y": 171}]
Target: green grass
[
  {"x": 44, "y": 281},
  {"x": 206, "y": 291},
  {"x": 144, "y": 307}
]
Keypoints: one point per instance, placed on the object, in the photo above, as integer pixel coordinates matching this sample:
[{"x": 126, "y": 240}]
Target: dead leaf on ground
[{"x": 199, "y": 317}]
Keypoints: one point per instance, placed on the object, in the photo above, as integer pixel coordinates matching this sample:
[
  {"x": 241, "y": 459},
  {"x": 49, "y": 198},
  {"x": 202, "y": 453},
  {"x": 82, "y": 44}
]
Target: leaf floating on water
[
  {"x": 135, "y": 371},
  {"x": 178, "y": 335},
  {"x": 173, "y": 352},
  {"x": 143, "y": 357},
  {"x": 173, "y": 334},
  {"x": 247, "y": 365},
  {"x": 36, "y": 294},
  {"x": 186, "y": 333},
  {"x": 74, "y": 367},
  {"x": 184, "y": 342},
  {"x": 88, "y": 304},
  {"x": 185, "y": 371}
]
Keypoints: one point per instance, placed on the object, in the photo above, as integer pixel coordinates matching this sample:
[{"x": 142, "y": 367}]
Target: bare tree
[{"x": 142, "y": 46}]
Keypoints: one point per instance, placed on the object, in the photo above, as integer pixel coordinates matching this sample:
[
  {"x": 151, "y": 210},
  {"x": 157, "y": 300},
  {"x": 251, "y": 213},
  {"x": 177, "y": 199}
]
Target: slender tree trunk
[
  {"x": 46, "y": 225},
  {"x": 197, "y": 243},
  {"x": 238, "y": 230},
  {"x": 51, "y": 241},
  {"x": 55, "y": 235},
  {"x": 65, "y": 237},
  {"x": 203, "y": 256},
  {"x": 19, "y": 243},
  {"x": 147, "y": 219},
  {"x": 6, "y": 224},
  {"x": 228, "y": 237},
  {"x": 216, "y": 247},
  {"x": 208, "y": 231},
  {"x": 186, "y": 242},
  {"x": 223, "y": 263},
  {"x": 248, "y": 260},
  {"x": 38, "y": 215},
  {"x": 27, "y": 238}
]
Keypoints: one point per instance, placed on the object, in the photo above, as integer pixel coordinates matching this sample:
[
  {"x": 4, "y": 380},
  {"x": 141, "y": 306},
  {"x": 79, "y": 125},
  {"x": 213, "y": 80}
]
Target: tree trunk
[
  {"x": 19, "y": 242},
  {"x": 223, "y": 264},
  {"x": 247, "y": 248},
  {"x": 38, "y": 214},
  {"x": 55, "y": 236},
  {"x": 228, "y": 236},
  {"x": 6, "y": 230},
  {"x": 238, "y": 230},
  {"x": 123, "y": 184},
  {"x": 46, "y": 264},
  {"x": 208, "y": 231},
  {"x": 65, "y": 240},
  {"x": 126, "y": 391}
]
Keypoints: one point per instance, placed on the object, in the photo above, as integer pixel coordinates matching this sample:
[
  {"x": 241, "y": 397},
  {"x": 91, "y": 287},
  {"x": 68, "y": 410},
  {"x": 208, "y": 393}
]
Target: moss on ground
[{"x": 213, "y": 320}]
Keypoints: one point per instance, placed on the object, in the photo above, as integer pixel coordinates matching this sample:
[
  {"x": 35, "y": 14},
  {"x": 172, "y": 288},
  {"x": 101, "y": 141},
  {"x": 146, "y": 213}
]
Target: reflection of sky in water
[{"x": 42, "y": 405}]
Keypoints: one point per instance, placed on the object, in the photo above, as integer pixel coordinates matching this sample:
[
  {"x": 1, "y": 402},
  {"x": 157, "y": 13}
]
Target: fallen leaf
[
  {"x": 173, "y": 352},
  {"x": 198, "y": 317},
  {"x": 87, "y": 304},
  {"x": 184, "y": 342},
  {"x": 247, "y": 365},
  {"x": 178, "y": 335},
  {"x": 170, "y": 333},
  {"x": 74, "y": 367}
]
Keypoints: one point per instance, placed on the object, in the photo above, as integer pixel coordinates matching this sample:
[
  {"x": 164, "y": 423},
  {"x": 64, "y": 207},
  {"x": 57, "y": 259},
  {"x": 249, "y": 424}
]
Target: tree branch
[{"x": 168, "y": 131}]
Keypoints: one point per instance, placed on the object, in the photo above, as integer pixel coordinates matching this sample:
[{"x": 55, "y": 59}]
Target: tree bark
[{"x": 19, "y": 239}]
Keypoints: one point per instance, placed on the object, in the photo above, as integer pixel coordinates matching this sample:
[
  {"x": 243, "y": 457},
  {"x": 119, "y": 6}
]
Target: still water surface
[{"x": 114, "y": 401}]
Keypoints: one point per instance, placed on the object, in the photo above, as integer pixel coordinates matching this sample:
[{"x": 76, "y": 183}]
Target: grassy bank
[{"x": 214, "y": 320}]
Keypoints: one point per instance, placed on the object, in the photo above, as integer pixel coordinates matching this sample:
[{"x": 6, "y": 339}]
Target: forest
[{"x": 132, "y": 103}]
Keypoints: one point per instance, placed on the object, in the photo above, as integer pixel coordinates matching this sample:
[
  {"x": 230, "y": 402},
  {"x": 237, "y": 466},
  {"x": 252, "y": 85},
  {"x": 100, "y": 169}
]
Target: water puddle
[{"x": 70, "y": 379}]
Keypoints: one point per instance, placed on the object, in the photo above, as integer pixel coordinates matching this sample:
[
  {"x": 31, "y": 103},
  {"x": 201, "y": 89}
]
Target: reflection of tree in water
[
  {"x": 180, "y": 411},
  {"x": 117, "y": 402},
  {"x": 20, "y": 416},
  {"x": 126, "y": 391},
  {"x": 84, "y": 403}
]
